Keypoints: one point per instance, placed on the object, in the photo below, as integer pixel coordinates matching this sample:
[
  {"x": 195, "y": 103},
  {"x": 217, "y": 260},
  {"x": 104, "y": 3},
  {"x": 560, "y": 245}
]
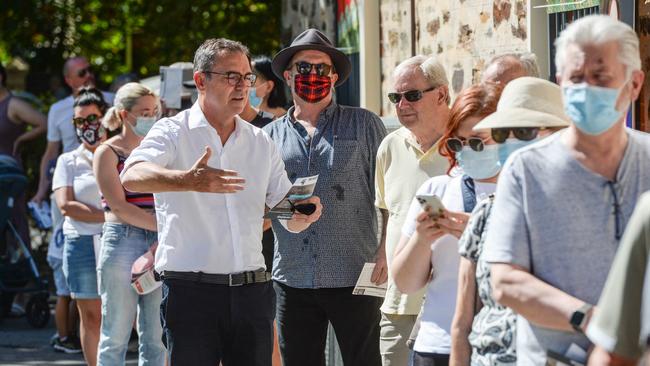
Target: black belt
[{"x": 235, "y": 279}]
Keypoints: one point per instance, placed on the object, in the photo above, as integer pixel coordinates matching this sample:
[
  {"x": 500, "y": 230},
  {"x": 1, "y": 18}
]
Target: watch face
[{"x": 577, "y": 318}]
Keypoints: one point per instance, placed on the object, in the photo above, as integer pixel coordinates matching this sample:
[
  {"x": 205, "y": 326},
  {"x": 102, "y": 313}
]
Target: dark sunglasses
[
  {"x": 79, "y": 121},
  {"x": 499, "y": 135},
  {"x": 83, "y": 72},
  {"x": 456, "y": 145},
  {"x": 411, "y": 95},
  {"x": 304, "y": 68}
]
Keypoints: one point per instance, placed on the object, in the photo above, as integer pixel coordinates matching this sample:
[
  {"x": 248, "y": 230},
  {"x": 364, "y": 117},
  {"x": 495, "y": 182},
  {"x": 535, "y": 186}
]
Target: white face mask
[{"x": 143, "y": 125}]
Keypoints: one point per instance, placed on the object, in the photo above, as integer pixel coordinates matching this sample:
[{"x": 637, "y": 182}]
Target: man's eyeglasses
[
  {"x": 234, "y": 78},
  {"x": 83, "y": 72},
  {"x": 499, "y": 135},
  {"x": 304, "y": 68},
  {"x": 456, "y": 145},
  {"x": 411, "y": 95},
  {"x": 90, "y": 119}
]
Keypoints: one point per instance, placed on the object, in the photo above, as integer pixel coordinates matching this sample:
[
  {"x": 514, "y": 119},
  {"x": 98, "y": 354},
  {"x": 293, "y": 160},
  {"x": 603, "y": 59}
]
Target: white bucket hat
[{"x": 528, "y": 102}]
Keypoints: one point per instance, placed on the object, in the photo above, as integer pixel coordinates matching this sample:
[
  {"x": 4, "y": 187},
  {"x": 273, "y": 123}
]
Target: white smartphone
[{"x": 432, "y": 202}]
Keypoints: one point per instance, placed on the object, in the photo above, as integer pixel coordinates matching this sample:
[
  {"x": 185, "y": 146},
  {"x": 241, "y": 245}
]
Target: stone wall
[
  {"x": 463, "y": 34},
  {"x": 298, "y": 15},
  {"x": 643, "y": 29}
]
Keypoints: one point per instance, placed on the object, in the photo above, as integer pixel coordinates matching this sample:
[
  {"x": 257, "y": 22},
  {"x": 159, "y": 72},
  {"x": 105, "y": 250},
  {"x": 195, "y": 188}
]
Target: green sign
[{"x": 558, "y": 6}]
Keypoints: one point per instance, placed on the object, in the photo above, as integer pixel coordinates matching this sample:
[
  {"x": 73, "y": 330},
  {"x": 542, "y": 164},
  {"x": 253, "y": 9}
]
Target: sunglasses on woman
[
  {"x": 456, "y": 145},
  {"x": 499, "y": 135},
  {"x": 304, "y": 68},
  {"x": 90, "y": 119},
  {"x": 411, "y": 95}
]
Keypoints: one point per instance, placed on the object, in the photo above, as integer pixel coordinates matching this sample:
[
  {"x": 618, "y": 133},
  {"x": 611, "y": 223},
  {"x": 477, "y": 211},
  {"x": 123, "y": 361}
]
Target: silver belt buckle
[{"x": 233, "y": 284}]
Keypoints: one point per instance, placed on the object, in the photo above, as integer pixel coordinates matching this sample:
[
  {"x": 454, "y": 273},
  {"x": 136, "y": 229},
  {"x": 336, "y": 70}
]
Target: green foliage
[{"x": 46, "y": 32}]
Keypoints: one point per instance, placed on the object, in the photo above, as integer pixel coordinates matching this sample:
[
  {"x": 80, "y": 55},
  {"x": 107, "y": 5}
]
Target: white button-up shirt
[{"x": 212, "y": 232}]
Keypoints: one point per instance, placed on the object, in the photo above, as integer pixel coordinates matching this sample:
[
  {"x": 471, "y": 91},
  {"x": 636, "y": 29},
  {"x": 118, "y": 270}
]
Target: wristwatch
[{"x": 579, "y": 318}]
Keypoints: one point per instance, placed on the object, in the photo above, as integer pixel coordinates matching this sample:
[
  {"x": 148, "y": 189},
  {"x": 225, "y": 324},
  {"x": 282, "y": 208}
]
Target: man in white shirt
[
  {"x": 218, "y": 304},
  {"x": 406, "y": 158}
]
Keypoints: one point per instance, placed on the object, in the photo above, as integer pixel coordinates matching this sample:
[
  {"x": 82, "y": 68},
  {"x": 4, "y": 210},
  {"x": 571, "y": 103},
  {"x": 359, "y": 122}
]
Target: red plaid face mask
[{"x": 312, "y": 88}]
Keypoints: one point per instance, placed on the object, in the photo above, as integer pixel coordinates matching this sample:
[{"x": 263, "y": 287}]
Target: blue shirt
[
  {"x": 562, "y": 223},
  {"x": 342, "y": 152}
]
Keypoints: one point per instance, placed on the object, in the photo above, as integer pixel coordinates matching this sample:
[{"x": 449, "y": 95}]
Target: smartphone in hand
[{"x": 431, "y": 203}]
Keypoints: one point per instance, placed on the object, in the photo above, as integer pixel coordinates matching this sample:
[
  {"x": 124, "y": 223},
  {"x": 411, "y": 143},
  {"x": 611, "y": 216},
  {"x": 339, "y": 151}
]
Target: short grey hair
[
  {"x": 206, "y": 55},
  {"x": 432, "y": 69},
  {"x": 527, "y": 61},
  {"x": 597, "y": 30}
]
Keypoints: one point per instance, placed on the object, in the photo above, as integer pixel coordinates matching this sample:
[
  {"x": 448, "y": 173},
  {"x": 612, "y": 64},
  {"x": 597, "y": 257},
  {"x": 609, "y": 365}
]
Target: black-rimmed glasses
[
  {"x": 456, "y": 145},
  {"x": 411, "y": 95},
  {"x": 90, "y": 119},
  {"x": 234, "y": 78},
  {"x": 499, "y": 135}
]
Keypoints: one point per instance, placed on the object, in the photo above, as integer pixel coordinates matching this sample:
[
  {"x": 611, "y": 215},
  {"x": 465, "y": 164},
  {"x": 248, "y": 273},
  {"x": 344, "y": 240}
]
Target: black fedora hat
[{"x": 313, "y": 39}]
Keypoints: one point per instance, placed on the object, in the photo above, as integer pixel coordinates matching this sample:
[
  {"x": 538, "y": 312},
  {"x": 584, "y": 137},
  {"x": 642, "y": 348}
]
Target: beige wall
[{"x": 463, "y": 35}]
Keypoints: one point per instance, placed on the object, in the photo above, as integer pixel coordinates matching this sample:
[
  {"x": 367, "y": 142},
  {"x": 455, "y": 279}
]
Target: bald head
[
  {"x": 77, "y": 73},
  {"x": 504, "y": 68}
]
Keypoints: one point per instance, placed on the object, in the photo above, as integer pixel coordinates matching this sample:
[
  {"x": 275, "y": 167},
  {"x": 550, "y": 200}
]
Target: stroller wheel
[{"x": 38, "y": 311}]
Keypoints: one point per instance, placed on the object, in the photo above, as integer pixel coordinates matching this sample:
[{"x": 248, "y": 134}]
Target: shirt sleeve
[
  {"x": 63, "y": 173},
  {"x": 616, "y": 323},
  {"x": 437, "y": 186},
  {"x": 509, "y": 243},
  {"x": 380, "y": 167},
  {"x": 279, "y": 183},
  {"x": 53, "y": 132},
  {"x": 375, "y": 135},
  {"x": 158, "y": 147}
]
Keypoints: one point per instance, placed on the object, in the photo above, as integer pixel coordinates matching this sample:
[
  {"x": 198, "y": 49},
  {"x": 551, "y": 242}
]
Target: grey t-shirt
[{"x": 562, "y": 222}]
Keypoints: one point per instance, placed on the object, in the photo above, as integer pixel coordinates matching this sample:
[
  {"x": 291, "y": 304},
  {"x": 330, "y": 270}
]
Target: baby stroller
[{"x": 18, "y": 271}]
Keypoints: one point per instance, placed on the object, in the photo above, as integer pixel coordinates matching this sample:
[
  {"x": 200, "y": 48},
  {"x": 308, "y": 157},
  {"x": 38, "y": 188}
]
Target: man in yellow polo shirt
[{"x": 406, "y": 158}]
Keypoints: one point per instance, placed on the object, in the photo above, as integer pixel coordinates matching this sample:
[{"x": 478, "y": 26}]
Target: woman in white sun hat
[{"x": 483, "y": 331}]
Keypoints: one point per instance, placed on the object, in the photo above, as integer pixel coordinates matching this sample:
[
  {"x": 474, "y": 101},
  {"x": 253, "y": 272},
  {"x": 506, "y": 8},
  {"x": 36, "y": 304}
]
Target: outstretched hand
[{"x": 206, "y": 179}]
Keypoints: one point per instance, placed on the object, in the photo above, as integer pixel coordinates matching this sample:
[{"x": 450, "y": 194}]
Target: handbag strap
[{"x": 469, "y": 193}]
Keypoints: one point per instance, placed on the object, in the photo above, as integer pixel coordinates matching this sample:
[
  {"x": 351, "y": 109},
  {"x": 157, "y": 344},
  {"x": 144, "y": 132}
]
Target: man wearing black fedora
[{"x": 315, "y": 271}]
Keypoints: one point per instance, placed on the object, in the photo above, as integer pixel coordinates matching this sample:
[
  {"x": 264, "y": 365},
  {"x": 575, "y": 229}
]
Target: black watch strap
[{"x": 579, "y": 317}]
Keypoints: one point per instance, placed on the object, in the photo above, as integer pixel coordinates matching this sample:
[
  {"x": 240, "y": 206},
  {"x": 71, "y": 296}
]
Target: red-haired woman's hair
[{"x": 475, "y": 101}]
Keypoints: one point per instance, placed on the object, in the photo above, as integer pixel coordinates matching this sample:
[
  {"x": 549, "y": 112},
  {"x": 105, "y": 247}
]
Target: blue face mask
[
  {"x": 254, "y": 100},
  {"x": 591, "y": 108},
  {"x": 480, "y": 164},
  {"x": 143, "y": 125},
  {"x": 510, "y": 145}
]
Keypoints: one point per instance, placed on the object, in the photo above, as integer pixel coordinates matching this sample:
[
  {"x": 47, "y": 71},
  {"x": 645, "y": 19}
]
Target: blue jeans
[
  {"x": 79, "y": 266},
  {"x": 121, "y": 245}
]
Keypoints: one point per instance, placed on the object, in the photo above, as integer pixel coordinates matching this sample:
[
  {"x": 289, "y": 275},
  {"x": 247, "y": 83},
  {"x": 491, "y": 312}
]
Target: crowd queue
[{"x": 512, "y": 228}]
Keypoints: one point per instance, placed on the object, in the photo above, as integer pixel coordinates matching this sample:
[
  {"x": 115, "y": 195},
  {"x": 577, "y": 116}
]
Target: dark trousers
[
  {"x": 429, "y": 359},
  {"x": 302, "y": 318},
  {"x": 205, "y": 324}
]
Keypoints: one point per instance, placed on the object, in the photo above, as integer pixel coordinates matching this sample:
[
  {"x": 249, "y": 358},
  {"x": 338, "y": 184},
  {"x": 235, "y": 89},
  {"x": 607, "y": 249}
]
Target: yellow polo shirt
[{"x": 402, "y": 167}]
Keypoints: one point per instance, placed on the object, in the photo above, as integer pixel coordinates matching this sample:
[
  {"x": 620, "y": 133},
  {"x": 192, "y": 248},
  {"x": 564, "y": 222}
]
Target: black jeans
[
  {"x": 429, "y": 359},
  {"x": 205, "y": 324},
  {"x": 302, "y": 318}
]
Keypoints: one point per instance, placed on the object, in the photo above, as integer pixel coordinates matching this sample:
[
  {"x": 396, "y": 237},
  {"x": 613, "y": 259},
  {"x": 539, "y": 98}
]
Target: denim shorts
[
  {"x": 59, "y": 278},
  {"x": 79, "y": 266}
]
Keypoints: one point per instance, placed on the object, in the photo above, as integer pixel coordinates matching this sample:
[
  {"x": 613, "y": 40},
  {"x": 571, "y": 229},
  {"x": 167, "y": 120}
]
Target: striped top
[{"x": 142, "y": 200}]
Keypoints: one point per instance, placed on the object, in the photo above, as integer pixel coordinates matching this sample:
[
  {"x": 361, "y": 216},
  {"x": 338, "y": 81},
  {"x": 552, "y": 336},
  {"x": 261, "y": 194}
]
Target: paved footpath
[{"x": 20, "y": 345}]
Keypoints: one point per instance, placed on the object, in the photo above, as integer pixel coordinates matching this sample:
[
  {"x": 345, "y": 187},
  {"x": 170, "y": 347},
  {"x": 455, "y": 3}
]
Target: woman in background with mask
[
  {"x": 267, "y": 99},
  {"x": 483, "y": 331},
  {"x": 76, "y": 194},
  {"x": 427, "y": 254},
  {"x": 129, "y": 232}
]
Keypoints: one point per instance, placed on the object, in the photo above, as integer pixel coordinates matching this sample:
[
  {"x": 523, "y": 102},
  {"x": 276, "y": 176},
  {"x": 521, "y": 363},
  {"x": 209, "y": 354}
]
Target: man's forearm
[
  {"x": 532, "y": 298},
  {"x": 151, "y": 178}
]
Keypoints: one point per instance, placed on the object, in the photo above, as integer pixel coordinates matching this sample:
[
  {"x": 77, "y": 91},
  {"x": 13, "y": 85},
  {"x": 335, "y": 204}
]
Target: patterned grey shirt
[{"x": 342, "y": 152}]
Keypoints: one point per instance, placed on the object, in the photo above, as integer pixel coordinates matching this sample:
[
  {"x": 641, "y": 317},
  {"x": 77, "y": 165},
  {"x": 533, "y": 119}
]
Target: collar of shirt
[
  {"x": 325, "y": 115},
  {"x": 196, "y": 119},
  {"x": 411, "y": 140}
]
